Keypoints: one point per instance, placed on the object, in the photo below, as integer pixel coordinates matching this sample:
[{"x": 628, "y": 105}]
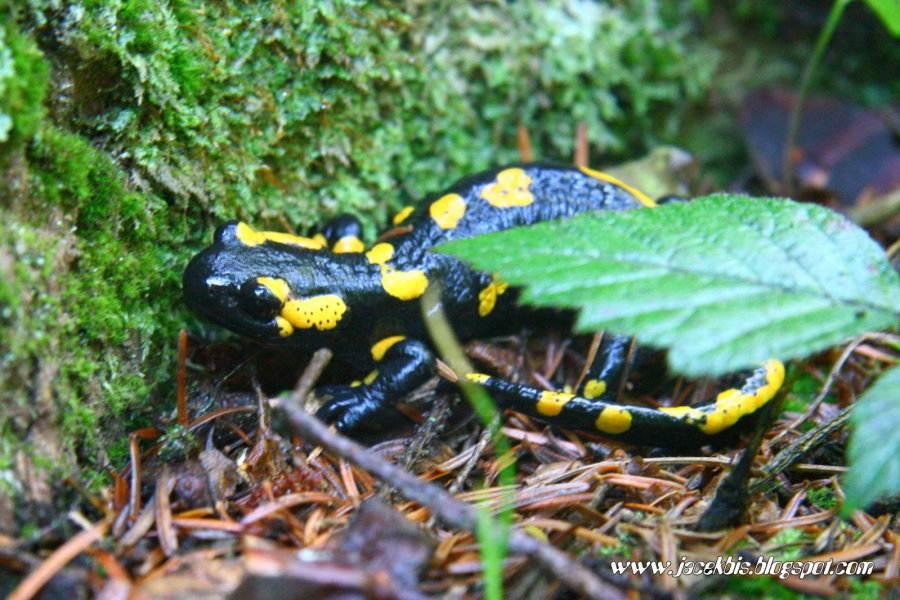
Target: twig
[
  {"x": 526, "y": 153},
  {"x": 826, "y": 387},
  {"x": 799, "y": 448},
  {"x": 312, "y": 372},
  {"x": 180, "y": 392},
  {"x": 731, "y": 499},
  {"x": 591, "y": 356},
  {"x": 134, "y": 504},
  {"x": 168, "y": 537},
  {"x": 463, "y": 475},
  {"x": 447, "y": 509},
  {"x": 32, "y": 584},
  {"x": 581, "y": 145}
]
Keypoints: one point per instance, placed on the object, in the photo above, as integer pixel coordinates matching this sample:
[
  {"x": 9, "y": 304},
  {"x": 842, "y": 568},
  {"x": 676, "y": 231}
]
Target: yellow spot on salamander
[
  {"x": 322, "y": 312},
  {"x": 405, "y": 285},
  {"x": 613, "y": 419},
  {"x": 349, "y": 243},
  {"x": 284, "y": 326},
  {"x": 320, "y": 239},
  {"x": 401, "y": 216},
  {"x": 251, "y": 237},
  {"x": 594, "y": 388},
  {"x": 380, "y": 253},
  {"x": 447, "y": 210},
  {"x": 478, "y": 377},
  {"x": 279, "y": 287},
  {"x": 281, "y": 290},
  {"x": 551, "y": 404},
  {"x": 643, "y": 198},
  {"x": 368, "y": 379},
  {"x": 487, "y": 298},
  {"x": 689, "y": 413},
  {"x": 732, "y": 404},
  {"x": 379, "y": 349},
  {"x": 510, "y": 189}
]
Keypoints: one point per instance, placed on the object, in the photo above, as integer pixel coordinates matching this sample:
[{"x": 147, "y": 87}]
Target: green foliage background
[{"x": 130, "y": 128}]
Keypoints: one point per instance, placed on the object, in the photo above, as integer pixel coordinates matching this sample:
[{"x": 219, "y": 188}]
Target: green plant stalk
[
  {"x": 493, "y": 532},
  {"x": 834, "y": 16},
  {"x": 493, "y": 543}
]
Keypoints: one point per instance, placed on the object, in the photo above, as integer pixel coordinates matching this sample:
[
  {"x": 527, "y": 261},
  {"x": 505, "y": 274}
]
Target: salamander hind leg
[{"x": 402, "y": 365}]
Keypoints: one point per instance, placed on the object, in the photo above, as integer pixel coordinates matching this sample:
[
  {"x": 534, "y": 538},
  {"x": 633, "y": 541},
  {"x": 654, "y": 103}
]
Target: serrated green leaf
[
  {"x": 724, "y": 281},
  {"x": 889, "y": 13},
  {"x": 874, "y": 451}
]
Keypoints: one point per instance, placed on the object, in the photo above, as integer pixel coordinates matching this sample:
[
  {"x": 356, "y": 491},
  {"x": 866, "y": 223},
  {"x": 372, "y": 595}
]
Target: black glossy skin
[
  {"x": 214, "y": 278},
  {"x": 223, "y": 283},
  {"x": 340, "y": 227},
  {"x": 216, "y": 283}
]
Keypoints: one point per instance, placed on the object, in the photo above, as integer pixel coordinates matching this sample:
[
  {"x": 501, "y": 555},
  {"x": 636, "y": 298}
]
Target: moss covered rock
[{"x": 128, "y": 128}]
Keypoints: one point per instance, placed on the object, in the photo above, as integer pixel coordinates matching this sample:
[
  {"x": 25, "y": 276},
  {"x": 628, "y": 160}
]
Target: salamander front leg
[
  {"x": 343, "y": 234},
  {"x": 402, "y": 366}
]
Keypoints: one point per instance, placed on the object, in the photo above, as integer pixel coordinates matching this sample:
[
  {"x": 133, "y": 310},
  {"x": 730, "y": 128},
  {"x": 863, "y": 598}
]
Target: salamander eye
[{"x": 258, "y": 301}]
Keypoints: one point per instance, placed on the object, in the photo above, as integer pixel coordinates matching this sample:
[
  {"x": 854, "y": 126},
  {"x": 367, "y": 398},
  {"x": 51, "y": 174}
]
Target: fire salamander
[{"x": 331, "y": 291}]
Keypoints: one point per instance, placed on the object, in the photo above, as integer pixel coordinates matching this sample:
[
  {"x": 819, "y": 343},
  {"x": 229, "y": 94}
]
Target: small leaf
[
  {"x": 874, "y": 452},
  {"x": 724, "y": 281}
]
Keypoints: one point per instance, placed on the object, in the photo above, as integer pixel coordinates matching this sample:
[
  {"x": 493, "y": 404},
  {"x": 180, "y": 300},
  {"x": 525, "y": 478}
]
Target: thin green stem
[
  {"x": 787, "y": 171},
  {"x": 492, "y": 532}
]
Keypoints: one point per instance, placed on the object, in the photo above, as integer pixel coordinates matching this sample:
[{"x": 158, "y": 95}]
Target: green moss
[
  {"x": 805, "y": 389},
  {"x": 620, "y": 550},
  {"x": 177, "y": 444},
  {"x": 87, "y": 293},
  {"x": 865, "y": 590},
  {"x": 823, "y": 498},
  {"x": 252, "y": 109},
  {"x": 23, "y": 83},
  {"x": 788, "y": 542},
  {"x": 756, "y": 587}
]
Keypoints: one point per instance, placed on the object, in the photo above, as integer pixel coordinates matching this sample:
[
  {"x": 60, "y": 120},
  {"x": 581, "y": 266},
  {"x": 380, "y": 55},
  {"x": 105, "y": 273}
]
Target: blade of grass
[
  {"x": 492, "y": 532},
  {"x": 787, "y": 174}
]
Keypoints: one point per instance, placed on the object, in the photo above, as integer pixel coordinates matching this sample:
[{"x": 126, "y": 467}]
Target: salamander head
[{"x": 271, "y": 287}]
